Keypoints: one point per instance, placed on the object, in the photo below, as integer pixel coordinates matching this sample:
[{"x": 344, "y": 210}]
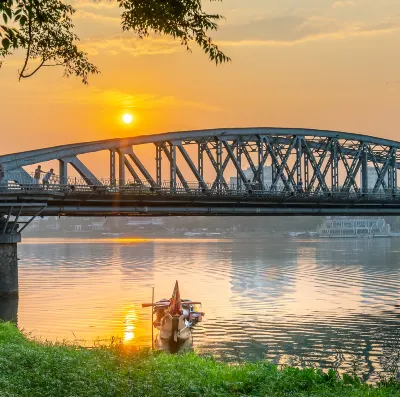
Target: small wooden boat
[{"x": 175, "y": 317}]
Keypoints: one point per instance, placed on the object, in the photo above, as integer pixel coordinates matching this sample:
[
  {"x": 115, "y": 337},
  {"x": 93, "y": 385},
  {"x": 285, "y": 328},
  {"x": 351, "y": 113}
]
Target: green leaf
[
  {"x": 8, "y": 12},
  {"x": 6, "y": 43}
]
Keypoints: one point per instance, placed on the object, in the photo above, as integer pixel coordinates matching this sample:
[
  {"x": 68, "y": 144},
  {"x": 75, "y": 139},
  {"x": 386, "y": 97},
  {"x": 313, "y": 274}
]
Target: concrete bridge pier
[
  {"x": 9, "y": 309},
  {"x": 9, "y": 265}
]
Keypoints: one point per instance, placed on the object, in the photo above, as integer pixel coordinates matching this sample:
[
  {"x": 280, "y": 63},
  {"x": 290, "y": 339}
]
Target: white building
[
  {"x": 373, "y": 177},
  {"x": 250, "y": 175}
]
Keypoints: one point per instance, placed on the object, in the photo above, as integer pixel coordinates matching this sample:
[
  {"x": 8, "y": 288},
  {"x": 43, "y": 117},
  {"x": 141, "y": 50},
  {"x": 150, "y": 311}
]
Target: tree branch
[
  {"x": 24, "y": 76},
  {"x": 55, "y": 64},
  {"x": 21, "y": 74}
]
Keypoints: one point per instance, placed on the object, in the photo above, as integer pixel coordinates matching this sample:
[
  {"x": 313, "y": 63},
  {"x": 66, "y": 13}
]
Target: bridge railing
[{"x": 107, "y": 186}]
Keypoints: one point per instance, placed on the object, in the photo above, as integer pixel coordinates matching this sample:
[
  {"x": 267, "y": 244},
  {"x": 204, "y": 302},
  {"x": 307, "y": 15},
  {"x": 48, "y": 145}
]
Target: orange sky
[{"x": 312, "y": 63}]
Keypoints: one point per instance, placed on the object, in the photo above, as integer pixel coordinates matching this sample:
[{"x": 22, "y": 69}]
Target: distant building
[
  {"x": 250, "y": 175},
  {"x": 83, "y": 225},
  {"x": 372, "y": 176},
  {"x": 143, "y": 221}
]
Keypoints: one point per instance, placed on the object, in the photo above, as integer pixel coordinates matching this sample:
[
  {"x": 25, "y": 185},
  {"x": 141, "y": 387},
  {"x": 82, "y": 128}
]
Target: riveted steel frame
[{"x": 320, "y": 161}]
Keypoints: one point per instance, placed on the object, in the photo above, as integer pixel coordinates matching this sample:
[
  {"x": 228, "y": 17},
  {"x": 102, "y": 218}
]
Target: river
[{"x": 328, "y": 303}]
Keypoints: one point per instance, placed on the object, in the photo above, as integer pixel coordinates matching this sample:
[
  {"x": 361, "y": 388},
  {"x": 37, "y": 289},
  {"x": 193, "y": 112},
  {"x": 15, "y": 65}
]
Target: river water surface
[{"x": 299, "y": 302}]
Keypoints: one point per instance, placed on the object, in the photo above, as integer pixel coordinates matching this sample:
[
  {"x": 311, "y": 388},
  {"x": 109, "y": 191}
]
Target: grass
[{"x": 29, "y": 368}]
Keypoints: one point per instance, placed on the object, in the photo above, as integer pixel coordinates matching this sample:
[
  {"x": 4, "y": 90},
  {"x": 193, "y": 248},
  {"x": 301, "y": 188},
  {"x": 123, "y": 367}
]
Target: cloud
[
  {"x": 292, "y": 30},
  {"x": 118, "y": 98},
  {"x": 277, "y": 31},
  {"x": 343, "y": 3},
  {"x": 97, "y": 5},
  {"x": 83, "y": 14},
  {"x": 19, "y": 94},
  {"x": 95, "y": 14},
  {"x": 131, "y": 45}
]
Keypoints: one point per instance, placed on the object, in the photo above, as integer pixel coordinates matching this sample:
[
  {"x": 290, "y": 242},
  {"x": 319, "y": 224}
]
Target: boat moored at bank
[{"x": 175, "y": 318}]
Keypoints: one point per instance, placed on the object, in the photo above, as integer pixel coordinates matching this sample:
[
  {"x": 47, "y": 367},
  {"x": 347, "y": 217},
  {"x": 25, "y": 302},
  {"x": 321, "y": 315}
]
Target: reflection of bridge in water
[{"x": 313, "y": 172}]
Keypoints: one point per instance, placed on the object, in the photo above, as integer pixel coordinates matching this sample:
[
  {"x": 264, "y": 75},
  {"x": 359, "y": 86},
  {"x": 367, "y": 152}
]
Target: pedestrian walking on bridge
[
  {"x": 36, "y": 176},
  {"x": 47, "y": 177},
  {"x": 300, "y": 186}
]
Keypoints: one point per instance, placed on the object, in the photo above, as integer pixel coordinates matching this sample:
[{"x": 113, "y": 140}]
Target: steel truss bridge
[{"x": 310, "y": 172}]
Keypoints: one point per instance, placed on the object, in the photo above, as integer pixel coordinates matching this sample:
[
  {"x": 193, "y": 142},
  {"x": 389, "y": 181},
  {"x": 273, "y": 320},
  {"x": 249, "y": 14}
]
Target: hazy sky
[{"x": 306, "y": 63}]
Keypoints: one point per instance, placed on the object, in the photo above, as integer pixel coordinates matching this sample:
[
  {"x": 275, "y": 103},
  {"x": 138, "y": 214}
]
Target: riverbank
[{"x": 29, "y": 368}]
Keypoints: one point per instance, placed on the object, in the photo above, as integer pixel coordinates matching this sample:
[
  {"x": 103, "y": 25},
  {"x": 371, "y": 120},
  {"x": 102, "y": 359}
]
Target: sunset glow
[{"x": 290, "y": 68}]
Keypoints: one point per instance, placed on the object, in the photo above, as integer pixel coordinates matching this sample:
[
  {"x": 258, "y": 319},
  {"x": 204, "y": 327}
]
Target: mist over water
[{"x": 328, "y": 303}]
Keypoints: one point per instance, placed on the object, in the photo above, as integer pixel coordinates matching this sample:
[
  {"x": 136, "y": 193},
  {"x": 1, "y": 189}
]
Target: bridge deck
[{"x": 93, "y": 201}]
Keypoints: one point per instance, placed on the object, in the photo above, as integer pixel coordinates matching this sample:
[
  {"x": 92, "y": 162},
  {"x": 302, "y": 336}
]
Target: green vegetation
[{"x": 28, "y": 368}]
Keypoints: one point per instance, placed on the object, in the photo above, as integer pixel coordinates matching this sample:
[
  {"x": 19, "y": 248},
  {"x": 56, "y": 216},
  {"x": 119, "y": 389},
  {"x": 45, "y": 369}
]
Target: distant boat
[
  {"x": 348, "y": 227},
  {"x": 112, "y": 234},
  {"x": 296, "y": 234},
  {"x": 194, "y": 234}
]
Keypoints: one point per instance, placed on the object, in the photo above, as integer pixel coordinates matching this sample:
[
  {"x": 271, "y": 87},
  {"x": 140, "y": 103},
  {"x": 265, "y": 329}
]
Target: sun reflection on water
[{"x": 129, "y": 326}]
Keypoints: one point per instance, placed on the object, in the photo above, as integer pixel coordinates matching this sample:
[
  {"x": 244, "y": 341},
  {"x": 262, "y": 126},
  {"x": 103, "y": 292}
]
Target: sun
[{"x": 127, "y": 118}]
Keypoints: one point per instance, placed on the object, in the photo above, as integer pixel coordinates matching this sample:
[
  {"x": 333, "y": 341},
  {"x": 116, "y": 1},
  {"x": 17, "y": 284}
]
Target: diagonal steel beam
[
  {"x": 224, "y": 164},
  {"x": 275, "y": 164},
  {"x": 282, "y": 166},
  {"x": 378, "y": 169},
  {"x": 289, "y": 172},
  {"x": 18, "y": 175},
  {"x": 214, "y": 164},
  {"x": 127, "y": 151},
  {"x": 191, "y": 165},
  {"x": 353, "y": 169},
  {"x": 324, "y": 173},
  {"x": 16, "y": 219},
  {"x": 142, "y": 169},
  {"x": 235, "y": 162},
  {"x": 32, "y": 218},
  {"x": 83, "y": 171},
  {"x": 350, "y": 176},
  {"x": 249, "y": 159},
  {"x": 316, "y": 166},
  {"x": 384, "y": 170},
  {"x": 132, "y": 171},
  {"x": 178, "y": 171}
]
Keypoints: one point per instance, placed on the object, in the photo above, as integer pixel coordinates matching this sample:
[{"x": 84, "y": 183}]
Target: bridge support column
[
  {"x": 112, "y": 167},
  {"x": 121, "y": 168},
  {"x": 9, "y": 264},
  {"x": 364, "y": 171},
  {"x": 63, "y": 171},
  {"x": 9, "y": 309}
]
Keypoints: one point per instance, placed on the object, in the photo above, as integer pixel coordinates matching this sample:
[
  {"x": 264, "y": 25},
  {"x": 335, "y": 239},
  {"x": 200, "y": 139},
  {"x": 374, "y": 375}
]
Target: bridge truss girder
[{"x": 315, "y": 161}]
